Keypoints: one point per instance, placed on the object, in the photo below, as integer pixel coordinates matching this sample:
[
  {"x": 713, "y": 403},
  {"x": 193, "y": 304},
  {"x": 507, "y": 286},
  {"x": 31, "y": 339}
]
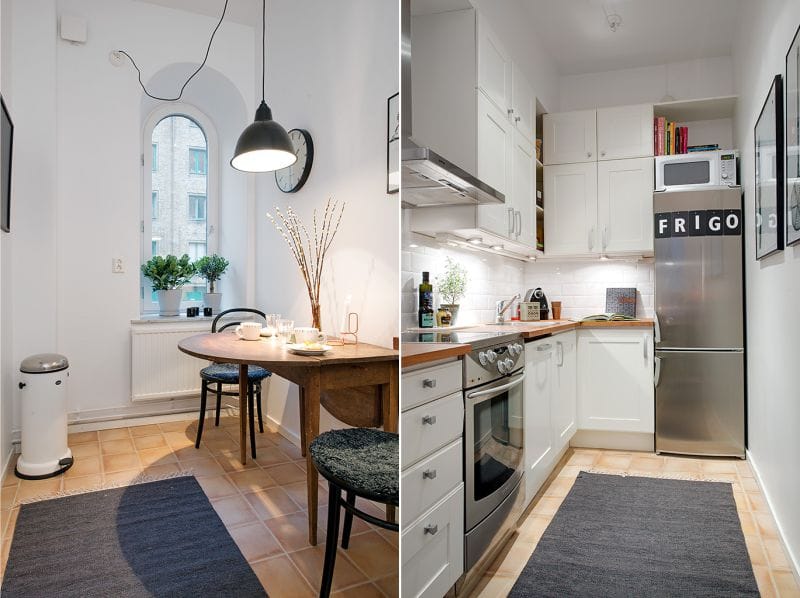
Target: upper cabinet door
[
  {"x": 494, "y": 166},
  {"x": 625, "y": 132},
  {"x": 625, "y": 205},
  {"x": 570, "y": 137},
  {"x": 523, "y": 104},
  {"x": 570, "y": 216},
  {"x": 523, "y": 189},
  {"x": 494, "y": 67}
]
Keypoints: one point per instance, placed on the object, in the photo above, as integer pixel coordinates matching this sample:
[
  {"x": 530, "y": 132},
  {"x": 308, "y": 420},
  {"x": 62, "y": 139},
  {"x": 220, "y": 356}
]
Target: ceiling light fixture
[
  {"x": 497, "y": 247},
  {"x": 264, "y": 145}
]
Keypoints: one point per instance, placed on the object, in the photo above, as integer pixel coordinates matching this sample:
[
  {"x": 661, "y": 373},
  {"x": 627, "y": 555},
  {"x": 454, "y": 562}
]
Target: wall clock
[{"x": 292, "y": 178}]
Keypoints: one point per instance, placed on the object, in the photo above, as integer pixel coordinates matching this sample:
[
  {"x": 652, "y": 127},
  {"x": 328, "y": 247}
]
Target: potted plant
[
  {"x": 168, "y": 274},
  {"x": 452, "y": 287},
  {"x": 212, "y": 267}
]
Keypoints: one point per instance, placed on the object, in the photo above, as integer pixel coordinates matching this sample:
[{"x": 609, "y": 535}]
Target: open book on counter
[{"x": 609, "y": 318}]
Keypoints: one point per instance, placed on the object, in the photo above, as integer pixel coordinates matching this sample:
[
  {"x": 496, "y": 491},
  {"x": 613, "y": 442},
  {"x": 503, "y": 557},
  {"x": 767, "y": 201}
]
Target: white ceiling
[
  {"x": 577, "y": 36},
  {"x": 245, "y": 12}
]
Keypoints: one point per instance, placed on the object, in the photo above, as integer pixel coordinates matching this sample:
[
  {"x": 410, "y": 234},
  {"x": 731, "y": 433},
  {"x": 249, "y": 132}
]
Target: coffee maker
[{"x": 538, "y": 295}]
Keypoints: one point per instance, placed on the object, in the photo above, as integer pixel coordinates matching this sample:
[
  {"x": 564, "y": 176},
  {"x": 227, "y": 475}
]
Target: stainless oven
[{"x": 494, "y": 458}]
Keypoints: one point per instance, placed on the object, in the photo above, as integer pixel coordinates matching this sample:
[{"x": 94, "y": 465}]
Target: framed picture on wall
[
  {"x": 769, "y": 163},
  {"x": 792, "y": 178},
  {"x": 393, "y": 145}
]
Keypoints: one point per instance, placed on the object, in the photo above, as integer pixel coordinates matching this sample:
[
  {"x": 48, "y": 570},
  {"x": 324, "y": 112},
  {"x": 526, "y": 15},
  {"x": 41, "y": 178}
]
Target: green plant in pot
[
  {"x": 452, "y": 287},
  {"x": 212, "y": 267},
  {"x": 168, "y": 275}
]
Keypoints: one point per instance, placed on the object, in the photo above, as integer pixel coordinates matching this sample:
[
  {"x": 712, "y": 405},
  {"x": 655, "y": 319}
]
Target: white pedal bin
[{"x": 43, "y": 405}]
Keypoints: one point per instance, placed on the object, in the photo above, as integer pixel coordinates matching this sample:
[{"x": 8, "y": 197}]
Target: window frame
[
  {"x": 193, "y": 213},
  {"x": 192, "y": 152},
  {"x": 191, "y": 112}
]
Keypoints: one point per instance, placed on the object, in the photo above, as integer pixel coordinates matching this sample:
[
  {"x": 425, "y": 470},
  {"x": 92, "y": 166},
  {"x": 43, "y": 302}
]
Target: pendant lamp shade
[{"x": 264, "y": 145}]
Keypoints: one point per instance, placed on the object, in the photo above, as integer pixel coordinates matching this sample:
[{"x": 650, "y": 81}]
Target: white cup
[
  {"x": 249, "y": 331},
  {"x": 309, "y": 335}
]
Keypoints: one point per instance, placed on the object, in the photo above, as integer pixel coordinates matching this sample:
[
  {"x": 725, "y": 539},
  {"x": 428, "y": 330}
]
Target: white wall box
[
  {"x": 625, "y": 132},
  {"x": 615, "y": 380},
  {"x": 570, "y": 137},
  {"x": 473, "y": 105}
]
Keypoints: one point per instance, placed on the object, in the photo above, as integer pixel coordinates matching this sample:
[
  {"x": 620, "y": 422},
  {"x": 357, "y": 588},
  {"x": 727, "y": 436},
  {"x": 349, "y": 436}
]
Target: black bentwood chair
[
  {"x": 363, "y": 462},
  {"x": 228, "y": 373}
]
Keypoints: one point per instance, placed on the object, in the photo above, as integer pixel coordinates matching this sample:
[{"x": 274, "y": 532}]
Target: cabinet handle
[
  {"x": 511, "y": 221},
  {"x": 646, "y": 342},
  {"x": 602, "y": 152},
  {"x": 591, "y": 238},
  {"x": 588, "y": 154},
  {"x": 429, "y": 474},
  {"x": 428, "y": 420},
  {"x": 560, "y": 348},
  {"x": 510, "y": 111},
  {"x": 517, "y": 118},
  {"x": 605, "y": 237},
  {"x": 431, "y": 529},
  {"x": 518, "y": 219},
  {"x": 428, "y": 383},
  {"x": 546, "y": 347}
]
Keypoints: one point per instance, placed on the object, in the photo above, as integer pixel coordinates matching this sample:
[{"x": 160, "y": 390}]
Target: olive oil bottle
[{"x": 427, "y": 317}]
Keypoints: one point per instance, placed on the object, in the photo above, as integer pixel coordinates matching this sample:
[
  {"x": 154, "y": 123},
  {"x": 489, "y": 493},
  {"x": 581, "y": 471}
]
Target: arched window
[{"x": 179, "y": 180}]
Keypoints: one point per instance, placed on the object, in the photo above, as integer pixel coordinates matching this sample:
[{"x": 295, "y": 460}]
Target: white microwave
[{"x": 696, "y": 170}]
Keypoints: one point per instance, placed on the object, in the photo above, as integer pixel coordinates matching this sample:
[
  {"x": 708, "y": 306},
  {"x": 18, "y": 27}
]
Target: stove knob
[
  {"x": 482, "y": 358},
  {"x": 501, "y": 367},
  {"x": 519, "y": 348},
  {"x": 491, "y": 356},
  {"x": 509, "y": 363},
  {"x": 511, "y": 350}
]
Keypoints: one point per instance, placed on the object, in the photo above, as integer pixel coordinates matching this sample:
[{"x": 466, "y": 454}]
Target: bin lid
[{"x": 44, "y": 363}]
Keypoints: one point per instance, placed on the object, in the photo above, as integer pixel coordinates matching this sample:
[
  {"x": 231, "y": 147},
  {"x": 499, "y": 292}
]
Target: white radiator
[{"x": 159, "y": 370}]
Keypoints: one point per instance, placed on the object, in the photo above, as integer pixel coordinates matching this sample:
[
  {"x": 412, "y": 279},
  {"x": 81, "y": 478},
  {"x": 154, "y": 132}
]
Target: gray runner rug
[
  {"x": 155, "y": 539},
  {"x": 636, "y": 536}
]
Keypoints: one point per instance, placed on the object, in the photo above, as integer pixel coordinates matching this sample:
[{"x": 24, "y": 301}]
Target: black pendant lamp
[{"x": 265, "y": 145}]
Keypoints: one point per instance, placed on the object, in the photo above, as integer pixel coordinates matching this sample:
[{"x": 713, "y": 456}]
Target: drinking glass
[
  {"x": 285, "y": 330},
  {"x": 272, "y": 323}
]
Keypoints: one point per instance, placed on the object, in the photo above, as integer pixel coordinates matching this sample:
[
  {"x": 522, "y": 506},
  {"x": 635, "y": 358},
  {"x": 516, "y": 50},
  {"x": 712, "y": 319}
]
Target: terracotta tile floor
[
  {"x": 770, "y": 564},
  {"x": 263, "y": 504}
]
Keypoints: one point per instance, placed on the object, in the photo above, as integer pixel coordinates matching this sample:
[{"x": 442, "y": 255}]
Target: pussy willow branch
[{"x": 309, "y": 253}]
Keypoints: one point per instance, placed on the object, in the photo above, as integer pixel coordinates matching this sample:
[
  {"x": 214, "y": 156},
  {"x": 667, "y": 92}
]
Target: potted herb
[
  {"x": 168, "y": 275},
  {"x": 212, "y": 267},
  {"x": 452, "y": 287}
]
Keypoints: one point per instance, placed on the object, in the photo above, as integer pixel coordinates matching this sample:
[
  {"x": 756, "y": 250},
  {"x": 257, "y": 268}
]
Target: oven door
[
  {"x": 687, "y": 172},
  {"x": 493, "y": 450}
]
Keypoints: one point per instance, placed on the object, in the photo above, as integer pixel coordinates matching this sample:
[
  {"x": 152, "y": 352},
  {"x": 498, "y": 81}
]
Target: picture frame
[
  {"x": 792, "y": 145},
  {"x": 393, "y": 144},
  {"x": 769, "y": 167}
]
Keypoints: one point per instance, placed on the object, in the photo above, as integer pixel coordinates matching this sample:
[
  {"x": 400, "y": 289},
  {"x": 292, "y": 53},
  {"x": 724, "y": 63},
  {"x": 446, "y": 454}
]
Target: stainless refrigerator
[{"x": 699, "y": 303}]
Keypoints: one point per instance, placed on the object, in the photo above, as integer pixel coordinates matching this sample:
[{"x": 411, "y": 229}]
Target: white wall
[
  {"x": 773, "y": 284},
  {"x": 701, "y": 78},
  {"x": 331, "y": 69},
  {"x": 78, "y": 178}
]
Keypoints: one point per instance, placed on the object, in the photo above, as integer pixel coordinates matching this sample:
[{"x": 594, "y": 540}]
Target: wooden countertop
[{"x": 419, "y": 353}]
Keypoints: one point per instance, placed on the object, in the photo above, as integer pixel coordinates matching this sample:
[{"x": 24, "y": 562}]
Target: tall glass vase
[{"x": 316, "y": 316}]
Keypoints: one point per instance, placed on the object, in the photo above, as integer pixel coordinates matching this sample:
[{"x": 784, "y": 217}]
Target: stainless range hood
[{"x": 429, "y": 179}]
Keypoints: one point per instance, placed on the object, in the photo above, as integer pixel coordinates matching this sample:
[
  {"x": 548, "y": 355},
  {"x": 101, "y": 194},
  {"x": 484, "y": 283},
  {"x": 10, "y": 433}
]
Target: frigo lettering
[{"x": 698, "y": 223}]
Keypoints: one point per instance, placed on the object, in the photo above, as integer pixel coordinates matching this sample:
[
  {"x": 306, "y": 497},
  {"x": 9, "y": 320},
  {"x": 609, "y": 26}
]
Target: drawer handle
[
  {"x": 428, "y": 419},
  {"x": 428, "y": 383},
  {"x": 431, "y": 529},
  {"x": 429, "y": 474}
]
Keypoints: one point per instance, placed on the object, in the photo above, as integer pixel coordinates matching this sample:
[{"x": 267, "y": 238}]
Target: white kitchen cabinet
[
  {"x": 494, "y": 66},
  {"x": 523, "y": 104},
  {"x": 625, "y": 205},
  {"x": 523, "y": 192},
  {"x": 570, "y": 220},
  {"x": 539, "y": 453},
  {"x": 625, "y": 132},
  {"x": 570, "y": 137},
  {"x": 494, "y": 144},
  {"x": 615, "y": 380},
  {"x": 563, "y": 408}
]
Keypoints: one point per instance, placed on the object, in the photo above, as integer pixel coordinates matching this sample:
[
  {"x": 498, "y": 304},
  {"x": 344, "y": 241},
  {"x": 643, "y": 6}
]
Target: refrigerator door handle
[
  {"x": 657, "y": 334},
  {"x": 644, "y": 346},
  {"x": 657, "y": 373}
]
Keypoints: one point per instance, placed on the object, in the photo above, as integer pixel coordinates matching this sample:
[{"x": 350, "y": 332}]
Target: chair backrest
[{"x": 234, "y": 323}]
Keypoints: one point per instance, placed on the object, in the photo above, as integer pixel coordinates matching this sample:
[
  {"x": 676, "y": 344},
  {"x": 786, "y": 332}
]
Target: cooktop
[{"x": 459, "y": 337}]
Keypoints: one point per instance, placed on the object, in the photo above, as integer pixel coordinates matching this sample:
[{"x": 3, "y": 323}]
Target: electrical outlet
[{"x": 116, "y": 265}]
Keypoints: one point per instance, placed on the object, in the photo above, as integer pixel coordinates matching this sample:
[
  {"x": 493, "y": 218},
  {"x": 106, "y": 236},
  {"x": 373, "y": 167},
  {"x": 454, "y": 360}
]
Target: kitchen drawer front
[
  {"x": 433, "y": 549},
  {"x": 421, "y": 386},
  {"x": 429, "y": 427},
  {"x": 429, "y": 480}
]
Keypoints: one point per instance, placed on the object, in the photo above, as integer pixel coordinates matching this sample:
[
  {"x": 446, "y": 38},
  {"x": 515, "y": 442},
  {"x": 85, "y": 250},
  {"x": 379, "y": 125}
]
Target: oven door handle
[{"x": 496, "y": 389}]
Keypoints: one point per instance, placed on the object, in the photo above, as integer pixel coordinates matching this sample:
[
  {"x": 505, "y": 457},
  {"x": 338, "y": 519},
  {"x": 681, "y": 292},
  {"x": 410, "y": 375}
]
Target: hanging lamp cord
[
  {"x": 263, "y": 47},
  {"x": 205, "y": 59}
]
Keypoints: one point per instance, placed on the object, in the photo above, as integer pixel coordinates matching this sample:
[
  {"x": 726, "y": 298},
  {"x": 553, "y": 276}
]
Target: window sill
[{"x": 180, "y": 319}]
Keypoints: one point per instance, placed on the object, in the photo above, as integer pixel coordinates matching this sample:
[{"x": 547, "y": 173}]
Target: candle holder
[{"x": 349, "y": 336}]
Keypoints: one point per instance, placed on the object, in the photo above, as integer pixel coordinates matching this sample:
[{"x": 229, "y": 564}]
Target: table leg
[
  {"x": 390, "y": 397},
  {"x": 243, "y": 413},
  {"x": 311, "y": 402},
  {"x": 302, "y": 398}
]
